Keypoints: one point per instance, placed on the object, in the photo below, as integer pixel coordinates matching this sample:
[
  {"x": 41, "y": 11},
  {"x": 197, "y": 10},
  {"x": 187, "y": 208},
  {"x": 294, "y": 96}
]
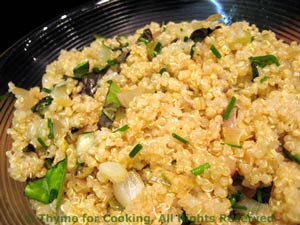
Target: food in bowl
[{"x": 191, "y": 122}]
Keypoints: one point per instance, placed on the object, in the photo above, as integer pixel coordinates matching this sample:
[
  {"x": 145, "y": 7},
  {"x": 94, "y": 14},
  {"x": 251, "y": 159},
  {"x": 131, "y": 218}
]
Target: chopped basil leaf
[
  {"x": 46, "y": 90},
  {"x": 42, "y": 105},
  {"x": 51, "y": 131},
  {"x": 50, "y": 187},
  {"x": 265, "y": 60},
  {"x": 261, "y": 61},
  {"x": 215, "y": 52},
  {"x": 263, "y": 79},
  {"x": 176, "y": 136},
  {"x": 162, "y": 71},
  {"x": 42, "y": 143},
  {"x": 200, "y": 34},
  {"x": 81, "y": 69},
  {"x": 185, "y": 39},
  {"x": 121, "y": 129},
  {"x": 111, "y": 106},
  {"x": 135, "y": 150},
  {"x": 192, "y": 51},
  {"x": 252, "y": 38},
  {"x": 229, "y": 108},
  {"x": 200, "y": 169},
  {"x": 96, "y": 70},
  {"x": 164, "y": 28}
]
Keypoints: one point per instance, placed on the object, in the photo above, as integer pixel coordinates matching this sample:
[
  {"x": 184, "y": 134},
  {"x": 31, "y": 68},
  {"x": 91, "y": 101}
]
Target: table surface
[{"x": 21, "y": 17}]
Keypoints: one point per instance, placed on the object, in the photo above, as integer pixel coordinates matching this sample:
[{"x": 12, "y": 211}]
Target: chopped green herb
[
  {"x": 111, "y": 98},
  {"x": 96, "y": 70},
  {"x": 232, "y": 145},
  {"x": 252, "y": 38},
  {"x": 261, "y": 61},
  {"x": 241, "y": 207},
  {"x": 185, "y": 39},
  {"x": 192, "y": 51},
  {"x": 259, "y": 196},
  {"x": 162, "y": 71},
  {"x": 176, "y": 136},
  {"x": 88, "y": 132},
  {"x": 215, "y": 52},
  {"x": 121, "y": 129},
  {"x": 265, "y": 60},
  {"x": 157, "y": 49},
  {"x": 164, "y": 28},
  {"x": 42, "y": 143},
  {"x": 229, "y": 108},
  {"x": 51, "y": 131},
  {"x": 200, "y": 169},
  {"x": 46, "y": 90},
  {"x": 135, "y": 150},
  {"x": 166, "y": 180},
  {"x": 263, "y": 79},
  {"x": 42, "y": 105},
  {"x": 50, "y": 187},
  {"x": 295, "y": 157},
  {"x": 81, "y": 69},
  {"x": 144, "y": 40},
  {"x": 111, "y": 62},
  {"x": 181, "y": 29},
  {"x": 235, "y": 197}
]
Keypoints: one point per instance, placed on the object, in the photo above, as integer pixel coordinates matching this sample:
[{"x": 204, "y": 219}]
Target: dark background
[{"x": 17, "y": 18}]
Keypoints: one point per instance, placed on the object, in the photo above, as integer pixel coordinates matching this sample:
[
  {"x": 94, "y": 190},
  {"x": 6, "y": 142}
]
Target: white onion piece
[
  {"x": 85, "y": 142},
  {"x": 113, "y": 171},
  {"x": 105, "y": 53},
  {"x": 129, "y": 189},
  {"x": 126, "y": 97},
  {"x": 232, "y": 118}
]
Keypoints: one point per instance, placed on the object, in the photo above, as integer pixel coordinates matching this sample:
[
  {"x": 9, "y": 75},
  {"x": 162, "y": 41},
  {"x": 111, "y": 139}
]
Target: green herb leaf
[
  {"x": 192, "y": 51},
  {"x": 229, "y": 108},
  {"x": 261, "y": 61},
  {"x": 46, "y": 90},
  {"x": 50, "y": 187},
  {"x": 111, "y": 106},
  {"x": 162, "y": 71},
  {"x": 166, "y": 180},
  {"x": 200, "y": 169},
  {"x": 135, "y": 150},
  {"x": 51, "y": 131},
  {"x": 157, "y": 49},
  {"x": 185, "y": 39},
  {"x": 164, "y": 28},
  {"x": 122, "y": 129},
  {"x": 111, "y": 98},
  {"x": 215, "y": 52},
  {"x": 295, "y": 157},
  {"x": 176, "y": 136},
  {"x": 42, "y": 105},
  {"x": 264, "y": 60},
  {"x": 42, "y": 143},
  {"x": 241, "y": 207},
  {"x": 235, "y": 197},
  {"x": 263, "y": 79},
  {"x": 232, "y": 145},
  {"x": 144, "y": 40},
  {"x": 81, "y": 69},
  {"x": 111, "y": 62}
]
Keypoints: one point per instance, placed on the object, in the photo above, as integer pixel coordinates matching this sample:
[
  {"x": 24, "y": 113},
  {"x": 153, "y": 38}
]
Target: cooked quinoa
[{"x": 176, "y": 149}]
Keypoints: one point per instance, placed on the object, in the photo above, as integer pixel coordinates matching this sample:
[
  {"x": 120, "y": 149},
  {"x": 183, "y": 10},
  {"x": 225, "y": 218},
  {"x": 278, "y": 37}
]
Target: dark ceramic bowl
[{"x": 24, "y": 63}]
